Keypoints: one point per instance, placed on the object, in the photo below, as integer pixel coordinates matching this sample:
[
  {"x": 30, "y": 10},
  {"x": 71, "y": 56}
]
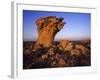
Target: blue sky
[{"x": 77, "y": 27}]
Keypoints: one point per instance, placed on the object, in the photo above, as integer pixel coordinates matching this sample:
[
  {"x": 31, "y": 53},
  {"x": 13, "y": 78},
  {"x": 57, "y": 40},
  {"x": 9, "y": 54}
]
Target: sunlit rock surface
[{"x": 47, "y": 29}]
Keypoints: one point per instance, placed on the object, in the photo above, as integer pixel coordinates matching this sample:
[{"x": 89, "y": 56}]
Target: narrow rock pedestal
[{"x": 47, "y": 29}]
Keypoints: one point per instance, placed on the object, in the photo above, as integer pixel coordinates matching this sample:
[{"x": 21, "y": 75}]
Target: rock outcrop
[
  {"x": 75, "y": 52},
  {"x": 63, "y": 43},
  {"x": 83, "y": 49},
  {"x": 47, "y": 29}
]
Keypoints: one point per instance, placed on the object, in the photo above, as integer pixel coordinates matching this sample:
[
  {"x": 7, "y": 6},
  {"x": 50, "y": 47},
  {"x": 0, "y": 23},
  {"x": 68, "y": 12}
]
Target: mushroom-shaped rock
[{"x": 47, "y": 29}]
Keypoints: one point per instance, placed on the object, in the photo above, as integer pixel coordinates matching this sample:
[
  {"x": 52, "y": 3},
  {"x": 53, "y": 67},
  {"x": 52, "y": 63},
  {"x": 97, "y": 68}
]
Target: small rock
[
  {"x": 27, "y": 51},
  {"x": 75, "y": 52},
  {"x": 54, "y": 63},
  {"x": 83, "y": 49},
  {"x": 52, "y": 58},
  {"x": 63, "y": 43},
  {"x": 44, "y": 56},
  {"x": 61, "y": 62},
  {"x": 51, "y": 51},
  {"x": 69, "y": 47},
  {"x": 60, "y": 48}
]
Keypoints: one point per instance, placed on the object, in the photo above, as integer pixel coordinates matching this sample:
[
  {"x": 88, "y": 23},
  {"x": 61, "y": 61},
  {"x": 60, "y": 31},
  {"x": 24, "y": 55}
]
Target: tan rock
[
  {"x": 69, "y": 47},
  {"x": 51, "y": 51},
  {"x": 60, "y": 48},
  {"x": 61, "y": 62},
  {"x": 54, "y": 62},
  {"x": 45, "y": 56},
  {"x": 63, "y": 43},
  {"x": 83, "y": 49},
  {"x": 47, "y": 29},
  {"x": 75, "y": 52}
]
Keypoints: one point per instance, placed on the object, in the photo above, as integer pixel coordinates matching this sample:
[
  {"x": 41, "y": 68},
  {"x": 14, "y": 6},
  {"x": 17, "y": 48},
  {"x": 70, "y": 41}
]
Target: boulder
[
  {"x": 69, "y": 47},
  {"x": 75, "y": 52},
  {"x": 61, "y": 62},
  {"x": 51, "y": 51},
  {"x": 60, "y": 47},
  {"x": 54, "y": 64},
  {"x": 45, "y": 56},
  {"x": 47, "y": 29},
  {"x": 63, "y": 43},
  {"x": 83, "y": 49}
]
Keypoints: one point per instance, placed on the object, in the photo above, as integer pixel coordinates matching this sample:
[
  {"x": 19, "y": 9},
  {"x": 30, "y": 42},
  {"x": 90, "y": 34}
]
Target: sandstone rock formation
[
  {"x": 47, "y": 29},
  {"x": 83, "y": 49},
  {"x": 75, "y": 52},
  {"x": 66, "y": 45},
  {"x": 69, "y": 47},
  {"x": 63, "y": 43}
]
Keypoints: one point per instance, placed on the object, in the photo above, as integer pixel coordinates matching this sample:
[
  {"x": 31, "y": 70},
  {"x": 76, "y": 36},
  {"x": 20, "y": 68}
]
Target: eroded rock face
[{"x": 47, "y": 29}]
